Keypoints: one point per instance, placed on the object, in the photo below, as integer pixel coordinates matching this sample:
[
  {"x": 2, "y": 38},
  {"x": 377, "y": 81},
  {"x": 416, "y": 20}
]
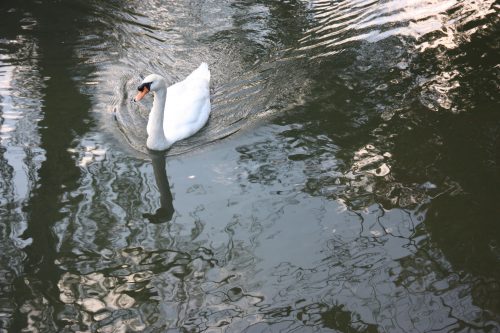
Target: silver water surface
[{"x": 347, "y": 180}]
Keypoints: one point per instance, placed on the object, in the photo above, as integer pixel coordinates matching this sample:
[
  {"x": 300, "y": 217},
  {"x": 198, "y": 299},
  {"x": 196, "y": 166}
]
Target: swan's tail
[{"x": 202, "y": 72}]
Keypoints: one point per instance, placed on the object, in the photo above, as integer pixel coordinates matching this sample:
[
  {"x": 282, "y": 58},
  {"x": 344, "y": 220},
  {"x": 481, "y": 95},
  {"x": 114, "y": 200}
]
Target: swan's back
[{"x": 187, "y": 106}]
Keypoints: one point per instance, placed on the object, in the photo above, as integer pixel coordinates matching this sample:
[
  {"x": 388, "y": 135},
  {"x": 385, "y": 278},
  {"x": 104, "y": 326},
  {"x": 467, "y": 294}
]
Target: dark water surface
[{"x": 348, "y": 179}]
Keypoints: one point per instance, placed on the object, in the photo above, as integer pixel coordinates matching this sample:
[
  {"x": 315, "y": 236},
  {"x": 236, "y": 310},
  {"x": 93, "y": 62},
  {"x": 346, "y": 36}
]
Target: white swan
[{"x": 178, "y": 111}]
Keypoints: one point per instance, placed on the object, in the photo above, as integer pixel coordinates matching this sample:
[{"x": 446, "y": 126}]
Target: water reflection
[
  {"x": 371, "y": 258},
  {"x": 166, "y": 210},
  {"x": 20, "y": 155},
  {"x": 367, "y": 204}
]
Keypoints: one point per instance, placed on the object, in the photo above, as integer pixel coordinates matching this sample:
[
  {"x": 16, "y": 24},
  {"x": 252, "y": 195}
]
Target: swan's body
[{"x": 178, "y": 111}]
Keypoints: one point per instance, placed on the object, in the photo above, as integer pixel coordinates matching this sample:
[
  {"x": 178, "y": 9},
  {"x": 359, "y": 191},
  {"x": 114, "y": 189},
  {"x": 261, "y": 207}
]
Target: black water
[{"x": 347, "y": 181}]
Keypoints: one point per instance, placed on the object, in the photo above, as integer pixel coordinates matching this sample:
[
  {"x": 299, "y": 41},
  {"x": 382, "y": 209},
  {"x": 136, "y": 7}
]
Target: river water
[{"x": 348, "y": 179}]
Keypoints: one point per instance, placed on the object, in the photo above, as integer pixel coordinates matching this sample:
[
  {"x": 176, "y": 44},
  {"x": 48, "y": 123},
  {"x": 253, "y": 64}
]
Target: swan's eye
[{"x": 147, "y": 85}]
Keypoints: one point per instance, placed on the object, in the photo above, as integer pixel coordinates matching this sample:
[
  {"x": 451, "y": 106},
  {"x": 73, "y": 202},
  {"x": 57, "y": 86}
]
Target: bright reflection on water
[{"x": 347, "y": 181}]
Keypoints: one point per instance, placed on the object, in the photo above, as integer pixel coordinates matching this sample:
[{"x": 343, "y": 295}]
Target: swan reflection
[{"x": 166, "y": 210}]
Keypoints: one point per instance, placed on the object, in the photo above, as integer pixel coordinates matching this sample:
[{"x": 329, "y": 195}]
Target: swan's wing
[
  {"x": 184, "y": 101},
  {"x": 187, "y": 108},
  {"x": 202, "y": 73}
]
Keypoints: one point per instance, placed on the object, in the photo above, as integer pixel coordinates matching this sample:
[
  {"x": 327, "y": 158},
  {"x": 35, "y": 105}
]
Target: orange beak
[{"x": 141, "y": 94}]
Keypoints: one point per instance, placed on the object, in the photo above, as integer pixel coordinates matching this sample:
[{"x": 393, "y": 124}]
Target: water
[{"x": 348, "y": 179}]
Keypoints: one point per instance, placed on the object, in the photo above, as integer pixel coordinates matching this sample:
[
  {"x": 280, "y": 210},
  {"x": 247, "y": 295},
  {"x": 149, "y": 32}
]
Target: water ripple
[
  {"x": 367, "y": 204},
  {"x": 337, "y": 23},
  {"x": 251, "y": 55}
]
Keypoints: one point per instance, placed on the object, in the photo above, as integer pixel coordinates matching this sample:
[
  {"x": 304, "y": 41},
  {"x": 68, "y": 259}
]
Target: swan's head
[{"x": 153, "y": 82}]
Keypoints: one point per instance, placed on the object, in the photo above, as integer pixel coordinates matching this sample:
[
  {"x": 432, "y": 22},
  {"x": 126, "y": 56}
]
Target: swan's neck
[{"x": 156, "y": 137}]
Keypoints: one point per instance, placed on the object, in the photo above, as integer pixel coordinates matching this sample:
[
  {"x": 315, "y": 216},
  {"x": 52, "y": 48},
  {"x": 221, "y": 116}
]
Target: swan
[{"x": 178, "y": 111}]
